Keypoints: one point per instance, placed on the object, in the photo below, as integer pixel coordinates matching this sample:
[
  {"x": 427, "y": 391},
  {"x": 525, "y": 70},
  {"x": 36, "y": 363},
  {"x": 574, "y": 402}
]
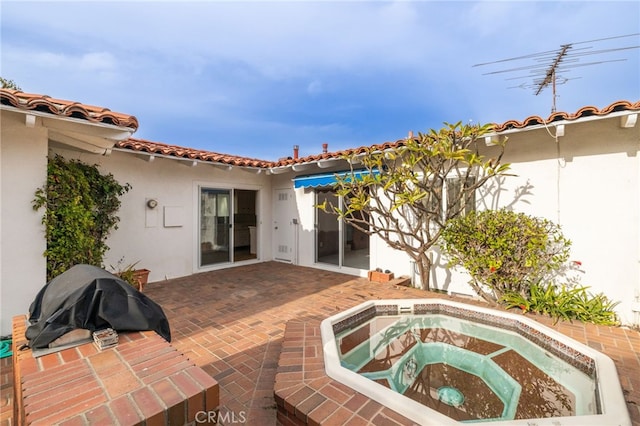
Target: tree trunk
[{"x": 424, "y": 270}]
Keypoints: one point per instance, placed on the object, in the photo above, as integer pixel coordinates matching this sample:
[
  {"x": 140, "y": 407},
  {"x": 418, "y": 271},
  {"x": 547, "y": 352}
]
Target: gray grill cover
[{"x": 91, "y": 298}]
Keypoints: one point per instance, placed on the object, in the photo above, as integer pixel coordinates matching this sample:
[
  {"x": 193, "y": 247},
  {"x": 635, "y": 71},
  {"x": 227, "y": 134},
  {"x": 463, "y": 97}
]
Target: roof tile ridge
[
  {"x": 63, "y": 107},
  {"x": 194, "y": 153},
  {"x": 584, "y": 111}
]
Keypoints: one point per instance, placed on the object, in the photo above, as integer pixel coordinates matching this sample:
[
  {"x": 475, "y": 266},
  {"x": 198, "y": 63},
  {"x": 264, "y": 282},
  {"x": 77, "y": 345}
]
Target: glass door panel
[
  {"x": 337, "y": 242},
  {"x": 327, "y": 231},
  {"x": 245, "y": 237},
  {"x": 356, "y": 247},
  {"x": 215, "y": 225}
]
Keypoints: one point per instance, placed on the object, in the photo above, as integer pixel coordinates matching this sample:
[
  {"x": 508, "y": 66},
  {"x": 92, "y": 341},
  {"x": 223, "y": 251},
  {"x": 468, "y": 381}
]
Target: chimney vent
[
  {"x": 410, "y": 134},
  {"x": 325, "y": 147},
  {"x": 296, "y": 150}
]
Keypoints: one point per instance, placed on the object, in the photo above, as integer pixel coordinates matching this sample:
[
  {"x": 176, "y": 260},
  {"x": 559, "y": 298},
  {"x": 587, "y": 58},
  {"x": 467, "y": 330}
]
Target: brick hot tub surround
[
  {"x": 305, "y": 395},
  {"x": 141, "y": 381}
]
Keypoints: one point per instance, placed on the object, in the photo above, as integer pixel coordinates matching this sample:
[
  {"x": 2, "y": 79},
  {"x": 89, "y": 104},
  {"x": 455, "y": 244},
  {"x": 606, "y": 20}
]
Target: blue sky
[{"x": 255, "y": 78}]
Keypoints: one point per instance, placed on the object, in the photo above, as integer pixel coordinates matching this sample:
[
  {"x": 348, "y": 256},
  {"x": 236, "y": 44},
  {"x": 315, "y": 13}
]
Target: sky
[{"x": 256, "y": 78}]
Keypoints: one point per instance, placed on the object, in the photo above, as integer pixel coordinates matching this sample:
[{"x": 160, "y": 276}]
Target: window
[
  {"x": 447, "y": 199},
  {"x": 457, "y": 202}
]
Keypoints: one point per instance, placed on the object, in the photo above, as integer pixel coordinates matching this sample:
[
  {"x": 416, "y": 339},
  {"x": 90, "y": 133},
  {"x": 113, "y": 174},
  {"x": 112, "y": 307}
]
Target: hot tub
[{"x": 440, "y": 362}]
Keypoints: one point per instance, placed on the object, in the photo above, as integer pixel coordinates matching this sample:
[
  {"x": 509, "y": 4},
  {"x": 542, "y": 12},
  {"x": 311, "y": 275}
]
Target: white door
[{"x": 283, "y": 225}]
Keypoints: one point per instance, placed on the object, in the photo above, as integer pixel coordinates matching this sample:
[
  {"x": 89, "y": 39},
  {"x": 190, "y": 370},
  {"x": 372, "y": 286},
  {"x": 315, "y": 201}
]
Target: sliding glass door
[
  {"x": 228, "y": 226},
  {"x": 215, "y": 226},
  {"x": 337, "y": 242}
]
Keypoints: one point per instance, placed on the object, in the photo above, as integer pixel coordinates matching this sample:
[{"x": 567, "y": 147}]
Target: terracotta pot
[
  {"x": 380, "y": 277},
  {"x": 141, "y": 276}
]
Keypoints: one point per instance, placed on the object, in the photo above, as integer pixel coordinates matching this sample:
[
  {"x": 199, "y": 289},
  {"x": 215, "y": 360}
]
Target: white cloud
[
  {"x": 314, "y": 88},
  {"x": 95, "y": 61}
]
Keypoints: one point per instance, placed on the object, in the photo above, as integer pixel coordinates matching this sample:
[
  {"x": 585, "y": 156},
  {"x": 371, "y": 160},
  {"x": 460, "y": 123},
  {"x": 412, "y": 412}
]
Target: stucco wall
[
  {"x": 23, "y": 168},
  {"x": 170, "y": 251},
  {"x": 588, "y": 182}
]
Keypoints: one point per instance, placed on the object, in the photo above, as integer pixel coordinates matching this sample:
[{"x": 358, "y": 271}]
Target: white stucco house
[{"x": 192, "y": 211}]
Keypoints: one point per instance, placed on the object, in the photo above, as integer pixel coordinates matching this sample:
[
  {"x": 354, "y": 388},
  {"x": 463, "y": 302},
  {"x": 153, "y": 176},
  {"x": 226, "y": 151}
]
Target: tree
[
  {"x": 81, "y": 206},
  {"x": 9, "y": 84},
  {"x": 409, "y": 191}
]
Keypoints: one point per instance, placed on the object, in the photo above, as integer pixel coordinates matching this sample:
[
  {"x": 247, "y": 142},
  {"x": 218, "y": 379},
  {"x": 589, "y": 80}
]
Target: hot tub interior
[{"x": 466, "y": 364}]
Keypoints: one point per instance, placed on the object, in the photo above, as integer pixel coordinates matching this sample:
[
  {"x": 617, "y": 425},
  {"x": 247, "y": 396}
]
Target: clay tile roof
[
  {"x": 142, "y": 145},
  {"x": 63, "y": 108},
  {"x": 177, "y": 151},
  {"x": 60, "y": 107},
  {"x": 586, "y": 111}
]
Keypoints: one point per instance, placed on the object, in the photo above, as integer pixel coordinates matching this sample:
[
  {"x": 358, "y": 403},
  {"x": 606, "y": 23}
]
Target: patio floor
[{"x": 231, "y": 323}]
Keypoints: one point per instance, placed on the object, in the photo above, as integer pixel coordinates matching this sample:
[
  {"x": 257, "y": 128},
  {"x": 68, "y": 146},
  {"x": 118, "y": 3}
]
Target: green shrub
[
  {"x": 504, "y": 251},
  {"x": 80, "y": 212},
  {"x": 565, "y": 303}
]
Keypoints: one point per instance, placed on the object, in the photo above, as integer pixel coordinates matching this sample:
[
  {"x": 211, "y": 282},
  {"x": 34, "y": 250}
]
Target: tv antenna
[{"x": 548, "y": 66}]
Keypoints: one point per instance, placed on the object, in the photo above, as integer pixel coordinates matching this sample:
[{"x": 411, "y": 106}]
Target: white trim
[{"x": 628, "y": 121}]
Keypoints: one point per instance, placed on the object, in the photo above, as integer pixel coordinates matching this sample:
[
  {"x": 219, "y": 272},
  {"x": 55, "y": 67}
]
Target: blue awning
[{"x": 325, "y": 179}]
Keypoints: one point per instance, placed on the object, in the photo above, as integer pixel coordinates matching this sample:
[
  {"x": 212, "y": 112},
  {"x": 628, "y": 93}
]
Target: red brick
[
  {"x": 166, "y": 369},
  {"x": 212, "y": 397},
  {"x": 55, "y": 414},
  {"x": 121, "y": 384},
  {"x": 138, "y": 352},
  {"x": 28, "y": 366},
  {"x": 100, "y": 416},
  {"x": 176, "y": 415},
  {"x": 159, "y": 358},
  {"x": 133, "y": 336},
  {"x": 87, "y": 349},
  {"x": 69, "y": 355},
  {"x": 201, "y": 377},
  {"x": 47, "y": 383},
  {"x": 105, "y": 362},
  {"x": 338, "y": 417},
  {"x": 74, "y": 421},
  {"x": 167, "y": 393},
  {"x": 321, "y": 412},
  {"x": 124, "y": 411},
  {"x": 195, "y": 404},
  {"x": 50, "y": 361},
  {"x": 144, "y": 349},
  {"x": 150, "y": 406},
  {"x": 71, "y": 396},
  {"x": 186, "y": 384}
]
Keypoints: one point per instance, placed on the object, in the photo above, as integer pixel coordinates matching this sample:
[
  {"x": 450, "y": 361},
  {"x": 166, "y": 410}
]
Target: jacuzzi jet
[{"x": 450, "y": 396}]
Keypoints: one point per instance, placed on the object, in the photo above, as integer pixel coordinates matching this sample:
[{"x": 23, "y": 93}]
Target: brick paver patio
[{"x": 231, "y": 324}]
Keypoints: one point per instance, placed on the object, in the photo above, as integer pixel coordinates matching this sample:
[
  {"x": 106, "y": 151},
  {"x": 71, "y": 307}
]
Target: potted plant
[
  {"x": 136, "y": 277},
  {"x": 378, "y": 275}
]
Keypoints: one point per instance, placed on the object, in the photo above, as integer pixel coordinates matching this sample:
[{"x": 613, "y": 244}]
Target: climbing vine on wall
[{"x": 81, "y": 206}]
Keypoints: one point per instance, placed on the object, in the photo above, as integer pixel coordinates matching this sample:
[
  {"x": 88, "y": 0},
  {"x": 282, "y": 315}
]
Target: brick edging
[{"x": 305, "y": 395}]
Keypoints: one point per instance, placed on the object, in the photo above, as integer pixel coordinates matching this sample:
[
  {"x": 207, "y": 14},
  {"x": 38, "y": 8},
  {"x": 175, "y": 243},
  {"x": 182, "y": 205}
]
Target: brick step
[{"x": 143, "y": 380}]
